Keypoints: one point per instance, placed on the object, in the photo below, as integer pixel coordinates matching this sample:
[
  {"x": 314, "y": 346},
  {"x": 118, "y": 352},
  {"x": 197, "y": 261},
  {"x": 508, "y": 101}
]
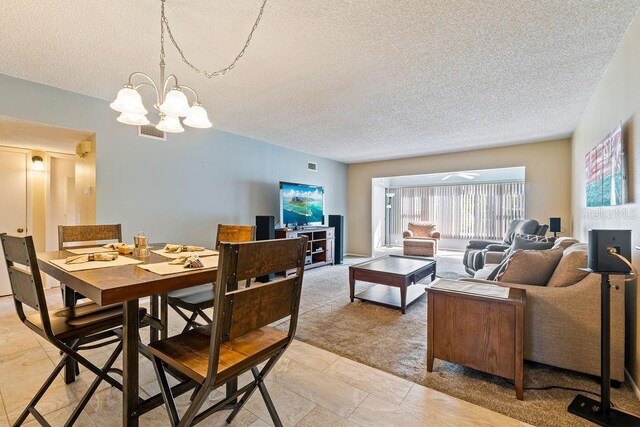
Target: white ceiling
[
  {"x": 350, "y": 80},
  {"x": 37, "y": 136}
]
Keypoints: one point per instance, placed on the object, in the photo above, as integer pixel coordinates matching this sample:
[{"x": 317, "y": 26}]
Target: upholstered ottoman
[{"x": 420, "y": 247}]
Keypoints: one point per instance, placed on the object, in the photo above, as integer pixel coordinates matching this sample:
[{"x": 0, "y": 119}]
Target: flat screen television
[{"x": 301, "y": 204}]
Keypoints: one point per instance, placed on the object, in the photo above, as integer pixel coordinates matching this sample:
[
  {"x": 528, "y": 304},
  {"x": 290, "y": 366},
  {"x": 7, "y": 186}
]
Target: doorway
[
  {"x": 47, "y": 174},
  {"x": 13, "y": 203}
]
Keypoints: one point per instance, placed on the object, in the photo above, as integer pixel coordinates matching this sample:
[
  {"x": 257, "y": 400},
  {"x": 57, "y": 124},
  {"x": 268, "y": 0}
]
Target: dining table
[{"x": 126, "y": 285}]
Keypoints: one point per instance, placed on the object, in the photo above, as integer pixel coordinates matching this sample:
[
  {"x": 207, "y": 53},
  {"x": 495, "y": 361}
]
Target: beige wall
[
  {"x": 617, "y": 99},
  {"x": 86, "y": 186},
  {"x": 548, "y": 181},
  {"x": 38, "y": 203}
]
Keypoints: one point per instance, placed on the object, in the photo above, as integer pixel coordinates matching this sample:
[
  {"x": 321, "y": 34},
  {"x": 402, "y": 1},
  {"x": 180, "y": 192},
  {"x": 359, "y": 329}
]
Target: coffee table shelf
[{"x": 392, "y": 272}]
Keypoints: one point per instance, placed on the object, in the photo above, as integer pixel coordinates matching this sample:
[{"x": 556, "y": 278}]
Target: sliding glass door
[{"x": 463, "y": 211}]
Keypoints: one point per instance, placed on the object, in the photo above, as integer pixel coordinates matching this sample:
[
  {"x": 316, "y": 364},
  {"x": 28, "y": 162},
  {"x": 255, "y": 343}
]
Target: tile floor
[{"x": 309, "y": 386}]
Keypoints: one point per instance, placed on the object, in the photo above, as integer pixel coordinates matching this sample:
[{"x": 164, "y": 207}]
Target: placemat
[
  {"x": 91, "y": 265},
  {"x": 172, "y": 255},
  {"x": 164, "y": 268},
  {"x": 92, "y": 250}
]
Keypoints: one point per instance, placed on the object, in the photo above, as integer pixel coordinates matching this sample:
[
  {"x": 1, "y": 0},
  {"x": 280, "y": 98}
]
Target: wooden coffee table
[
  {"x": 478, "y": 331},
  {"x": 392, "y": 272}
]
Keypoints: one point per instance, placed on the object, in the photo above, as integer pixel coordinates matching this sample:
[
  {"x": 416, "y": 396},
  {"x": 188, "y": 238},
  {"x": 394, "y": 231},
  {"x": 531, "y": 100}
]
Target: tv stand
[{"x": 320, "y": 248}]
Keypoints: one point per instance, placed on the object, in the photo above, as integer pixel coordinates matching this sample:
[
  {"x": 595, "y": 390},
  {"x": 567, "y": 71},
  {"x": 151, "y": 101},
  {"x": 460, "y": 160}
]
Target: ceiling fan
[{"x": 465, "y": 175}]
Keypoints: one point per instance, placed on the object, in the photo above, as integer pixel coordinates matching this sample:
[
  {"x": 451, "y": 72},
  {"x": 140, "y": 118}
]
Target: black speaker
[
  {"x": 337, "y": 221},
  {"x": 266, "y": 230},
  {"x": 554, "y": 225},
  {"x": 601, "y": 243},
  {"x": 265, "y": 227}
]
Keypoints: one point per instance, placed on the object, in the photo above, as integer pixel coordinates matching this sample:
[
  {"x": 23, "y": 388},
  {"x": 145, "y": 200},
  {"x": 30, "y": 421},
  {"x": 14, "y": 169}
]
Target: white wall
[
  {"x": 180, "y": 189},
  {"x": 616, "y": 99}
]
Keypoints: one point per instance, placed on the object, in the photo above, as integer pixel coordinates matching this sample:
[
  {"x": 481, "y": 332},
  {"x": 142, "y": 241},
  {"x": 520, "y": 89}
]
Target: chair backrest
[
  {"x": 87, "y": 234},
  {"x": 520, "y": 226},
  {"x": 421, "y": 228},
  {"x": 24, "y": 276},
  {"x": 240, "y": 311},
  {"x": 235, "y": 234},
  {"x": 542, "y": 229}
]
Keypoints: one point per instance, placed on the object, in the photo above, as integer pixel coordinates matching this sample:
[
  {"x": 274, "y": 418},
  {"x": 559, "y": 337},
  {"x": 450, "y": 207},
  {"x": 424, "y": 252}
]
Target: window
[{"x": 464, "y": 211}]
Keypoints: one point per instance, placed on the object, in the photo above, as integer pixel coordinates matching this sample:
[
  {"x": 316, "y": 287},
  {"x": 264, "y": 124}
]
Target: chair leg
[
  {"x": 195, "y": 406},
  {"x": 204, "y": 315},
  {"x": 165, "y": 389},
  {"x": 267, "y": 400},
  {"x": 34, "y": 401},
  {"x": 94, "y": 386},
  {"x": 190, "y": 322},
  {"x": 71, "y": 352},
  {"x": 259, "y": 383}
]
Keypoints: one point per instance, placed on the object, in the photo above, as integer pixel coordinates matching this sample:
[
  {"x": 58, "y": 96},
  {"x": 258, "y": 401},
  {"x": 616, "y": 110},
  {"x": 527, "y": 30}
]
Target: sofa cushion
[
  {"x": 530, "y": 267},
  {"x": 486, "y": 271},
  {"x": 529, "y": 242},
  {"x": 565, "y": 242},
  {"x": 567, "y": 273}
]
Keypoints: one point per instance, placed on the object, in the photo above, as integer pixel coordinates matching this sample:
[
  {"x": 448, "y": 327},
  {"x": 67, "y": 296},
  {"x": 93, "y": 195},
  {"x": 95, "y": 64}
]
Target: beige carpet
[{"x": 385, "y": 339}]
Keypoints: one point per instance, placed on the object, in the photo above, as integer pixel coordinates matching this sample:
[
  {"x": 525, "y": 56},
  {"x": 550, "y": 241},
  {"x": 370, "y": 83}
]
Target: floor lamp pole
[{"x": 601, "y": 412}]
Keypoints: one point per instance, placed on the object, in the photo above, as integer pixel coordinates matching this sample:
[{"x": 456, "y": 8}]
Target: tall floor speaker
[
  {"x": 337, "y": 222},
  {"x": 266, "y": 230}
]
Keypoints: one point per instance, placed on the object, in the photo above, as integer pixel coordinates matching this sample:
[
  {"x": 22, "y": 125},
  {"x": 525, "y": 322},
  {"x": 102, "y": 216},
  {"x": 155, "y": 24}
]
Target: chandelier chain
[{"x": 207, "y": 74}]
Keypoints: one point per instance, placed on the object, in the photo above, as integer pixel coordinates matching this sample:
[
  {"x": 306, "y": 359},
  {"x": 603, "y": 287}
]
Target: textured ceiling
[
  {"x": 350, "y": 80},
  {"x": 37, "y": 136}
]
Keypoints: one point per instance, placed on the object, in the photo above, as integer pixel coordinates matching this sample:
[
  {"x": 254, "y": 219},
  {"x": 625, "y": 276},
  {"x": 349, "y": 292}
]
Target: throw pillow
[
  {"x": 530, "y": 267},
  {"x": 565, "y": 242},
  {"x": 522, "y": 241},
  {"x": 567, "y": 273}
]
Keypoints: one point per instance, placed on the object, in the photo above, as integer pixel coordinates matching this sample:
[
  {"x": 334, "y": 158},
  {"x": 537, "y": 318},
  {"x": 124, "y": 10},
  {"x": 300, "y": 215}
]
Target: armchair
[
  {"x": 474, "y": 256},
  {"x": 420, "y": 239},
  {"x": 421, "y": 230}
]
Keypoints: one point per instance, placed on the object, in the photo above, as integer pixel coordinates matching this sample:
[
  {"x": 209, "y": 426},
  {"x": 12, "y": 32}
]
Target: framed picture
[{"x": 606, "y": 171}]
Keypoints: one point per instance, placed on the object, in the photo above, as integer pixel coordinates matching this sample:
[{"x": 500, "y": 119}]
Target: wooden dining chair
[
  {"x": 196, "y": 299},
  {"x": 84, "y": 235},
  {"x": 240, "y": 338},
  {"x": 86, "y": 326}
]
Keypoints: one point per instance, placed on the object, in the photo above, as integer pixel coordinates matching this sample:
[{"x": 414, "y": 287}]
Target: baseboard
[
  {"x": 633, "y": 384},
  {"x": 360, "y": 255}
]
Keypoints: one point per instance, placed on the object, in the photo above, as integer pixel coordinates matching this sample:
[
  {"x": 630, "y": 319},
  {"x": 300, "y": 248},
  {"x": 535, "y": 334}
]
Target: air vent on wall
[
  {"x": 150, "y": 131},
  {"x": 312, "y": 166}
]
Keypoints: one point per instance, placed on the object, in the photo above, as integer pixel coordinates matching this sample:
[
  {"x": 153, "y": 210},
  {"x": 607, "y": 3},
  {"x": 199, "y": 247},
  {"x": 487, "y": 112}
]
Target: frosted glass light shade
[
  {"x": 133, "y": 119},
  {"x": 197, "y": 117},
  {"x": 128, "y": 101},
  {"x": 38, "y": 163},
  {"x": 175, "y": 103},
  {"x": 170, "y": 124}
]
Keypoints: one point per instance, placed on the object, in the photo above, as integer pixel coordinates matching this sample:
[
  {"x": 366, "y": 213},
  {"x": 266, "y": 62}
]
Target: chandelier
[{"x": 171, "y": 100}]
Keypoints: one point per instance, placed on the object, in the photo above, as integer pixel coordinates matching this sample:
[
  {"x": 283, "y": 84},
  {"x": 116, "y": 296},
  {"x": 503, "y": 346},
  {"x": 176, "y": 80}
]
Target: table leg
[
  {"x": 403, "y": 297},
  {"x": 164, "y": 316},
  {"x": 519, "y": 353},
  {"x": 352, "y": 285},
  {"x": 130, "y": 364},
  {"x": 153, "y": 332},
  {"x": 430, "y": 328},
  {"x": 69, "y": 296}
]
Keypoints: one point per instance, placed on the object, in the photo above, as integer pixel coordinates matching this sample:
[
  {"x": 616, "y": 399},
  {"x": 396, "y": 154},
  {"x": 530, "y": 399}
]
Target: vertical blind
[{"x": 465, "y": 211}]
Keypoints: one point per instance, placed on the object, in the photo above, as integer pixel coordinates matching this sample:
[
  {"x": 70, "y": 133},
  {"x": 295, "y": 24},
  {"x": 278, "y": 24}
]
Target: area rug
[{"x": 385, "y": 339}]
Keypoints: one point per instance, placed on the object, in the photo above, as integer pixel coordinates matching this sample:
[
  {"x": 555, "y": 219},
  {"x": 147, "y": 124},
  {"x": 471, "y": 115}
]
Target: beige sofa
[{"x": 562, "y": 324}]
